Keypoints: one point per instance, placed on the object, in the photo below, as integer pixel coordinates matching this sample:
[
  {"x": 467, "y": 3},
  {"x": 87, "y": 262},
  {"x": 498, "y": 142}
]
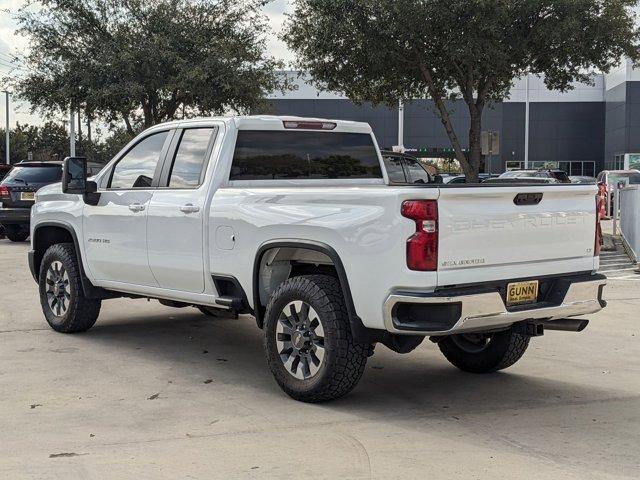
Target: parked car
[
  {"x": 93, "y": 168},
  {"x": 521, "y": 180},
  {"x": 17, "y": 195},
  {"x": 403, "y": 168},
  {"x": 611, "y": 177},
  {"x": 445, "y": 177},
  {"x": 583, "y": 179},
  {"x": 482, "y": 177},
  {"x": 560, "y": 175},
  {"x": 607, "y": 179},
  {"x": 4, "y": 170},
  {"x": 291, "y": 220}
]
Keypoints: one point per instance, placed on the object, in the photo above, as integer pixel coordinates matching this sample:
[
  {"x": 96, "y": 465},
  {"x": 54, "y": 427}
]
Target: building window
[
  {"x": 514, "y": 165},
  {"x": 634, "y": 161}
]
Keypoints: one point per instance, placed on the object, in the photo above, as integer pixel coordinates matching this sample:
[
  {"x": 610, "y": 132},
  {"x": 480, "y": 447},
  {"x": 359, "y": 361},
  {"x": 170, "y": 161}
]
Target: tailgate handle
[{"x": 527, "y": 198}]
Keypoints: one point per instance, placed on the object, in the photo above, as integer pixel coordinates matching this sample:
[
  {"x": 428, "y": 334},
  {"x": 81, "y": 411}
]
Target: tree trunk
[
  {"x": 445, "y": 118},
  {"x": 475, "y": 144},
  {"x": 147, "y": 111},
  {"x": 128, "y": 124}
]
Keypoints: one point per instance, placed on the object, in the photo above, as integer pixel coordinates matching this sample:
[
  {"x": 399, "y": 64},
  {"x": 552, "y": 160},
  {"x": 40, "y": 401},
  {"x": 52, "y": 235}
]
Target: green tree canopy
[
  {"x": 46, "y": 142},
  {"x": 145, "y": 61},
  {"x": 381, "y": 51}
]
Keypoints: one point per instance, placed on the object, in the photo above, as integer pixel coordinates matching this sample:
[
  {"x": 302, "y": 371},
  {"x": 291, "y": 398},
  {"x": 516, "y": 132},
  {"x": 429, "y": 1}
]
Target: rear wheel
[
  {"x": 484, "y": 352},
  {"x": 16, "y": 233},
  {"x": 308, "y": 341},
  {"x": 62, "y": 298}
]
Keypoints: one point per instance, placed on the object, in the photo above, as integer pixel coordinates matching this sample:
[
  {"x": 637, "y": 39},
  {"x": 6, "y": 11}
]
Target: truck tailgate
[{"x": 493, "y": 233}]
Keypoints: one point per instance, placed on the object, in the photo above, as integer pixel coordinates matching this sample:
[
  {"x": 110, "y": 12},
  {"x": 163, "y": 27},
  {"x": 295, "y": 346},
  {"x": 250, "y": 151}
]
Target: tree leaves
[
  {"x": 146, "y": 61},
  {"x": 380, "y": 51}
]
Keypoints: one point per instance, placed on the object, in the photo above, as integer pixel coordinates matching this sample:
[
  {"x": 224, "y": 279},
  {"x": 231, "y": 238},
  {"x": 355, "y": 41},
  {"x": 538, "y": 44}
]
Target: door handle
[
  {"x": 189, "y": 208},
  {"x": 136, "y": 207}
]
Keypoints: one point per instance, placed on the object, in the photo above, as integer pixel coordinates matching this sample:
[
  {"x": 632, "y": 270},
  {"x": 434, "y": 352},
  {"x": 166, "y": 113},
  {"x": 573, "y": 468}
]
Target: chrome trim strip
[{"x": 487, "y": 310}]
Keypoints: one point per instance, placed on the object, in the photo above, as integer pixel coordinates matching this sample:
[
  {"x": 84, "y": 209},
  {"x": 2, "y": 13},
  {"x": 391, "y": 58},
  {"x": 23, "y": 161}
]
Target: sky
[{"x": 11, "y": 43}]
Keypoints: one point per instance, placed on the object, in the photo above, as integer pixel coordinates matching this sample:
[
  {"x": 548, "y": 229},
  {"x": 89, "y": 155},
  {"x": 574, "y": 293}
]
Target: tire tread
[
  {"x": 350, "y": 356},
  {"x": 507, "y": 349},
  {"x": 83, "y": 312}
]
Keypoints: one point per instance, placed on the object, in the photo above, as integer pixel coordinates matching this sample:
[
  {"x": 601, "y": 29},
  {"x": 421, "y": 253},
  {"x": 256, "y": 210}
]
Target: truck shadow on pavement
[
  {"x": 422, "y": 380},
  {"x": 510, "y": 412}
]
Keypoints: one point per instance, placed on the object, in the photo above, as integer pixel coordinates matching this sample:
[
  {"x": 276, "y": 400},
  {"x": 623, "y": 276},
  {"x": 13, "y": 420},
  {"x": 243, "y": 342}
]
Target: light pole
[
  {"x": 401, "y": 124},
  {"x": 526, "y": 123},
  {"x": 72, "y": 134},
  {"x": 6, "y": 152}
]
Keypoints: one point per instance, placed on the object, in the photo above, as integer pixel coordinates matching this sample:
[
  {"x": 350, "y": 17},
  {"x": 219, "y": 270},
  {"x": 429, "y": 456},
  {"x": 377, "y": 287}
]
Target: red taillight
[
  {"x": 307, "y": 125},
  {"x": 422, "y": 246},
  {"x": 599, "y": 240},
  {"x": 4, "y": 193}
]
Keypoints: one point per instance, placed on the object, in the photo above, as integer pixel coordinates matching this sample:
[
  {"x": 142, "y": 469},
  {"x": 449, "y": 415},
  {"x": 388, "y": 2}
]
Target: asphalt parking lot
[{"x": 156, "y": 392}]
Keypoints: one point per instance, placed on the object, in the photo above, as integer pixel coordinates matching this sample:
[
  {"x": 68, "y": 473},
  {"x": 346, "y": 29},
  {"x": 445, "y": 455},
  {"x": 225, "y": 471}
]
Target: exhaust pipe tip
[{"x": 566, "y": 325}]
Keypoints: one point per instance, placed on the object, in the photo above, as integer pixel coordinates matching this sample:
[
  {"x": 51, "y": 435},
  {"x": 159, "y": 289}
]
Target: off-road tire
[
  {"x": 344, "y": 359},
  {"x": 82, "y": 312},
  {"x": 16, "y": 233},
  {"x": 503, "y": 350}
]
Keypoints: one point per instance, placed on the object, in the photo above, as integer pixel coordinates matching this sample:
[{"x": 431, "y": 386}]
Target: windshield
[
  {"x": 630, "y": 178},
  {"x": 48, "y": 174}
]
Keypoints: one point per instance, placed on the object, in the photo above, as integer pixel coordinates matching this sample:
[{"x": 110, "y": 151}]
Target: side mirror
[
  {"x": 74, "y": 180},
  {"x": 74, "y": 175}
]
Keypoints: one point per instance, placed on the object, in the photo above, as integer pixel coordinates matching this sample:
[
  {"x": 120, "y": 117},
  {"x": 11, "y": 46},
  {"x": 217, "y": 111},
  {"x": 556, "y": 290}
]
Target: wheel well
[
  {"x": 48, "y": 234},
  {"x": 277, "y": 263},
  {"x": 44, "y": 237}
]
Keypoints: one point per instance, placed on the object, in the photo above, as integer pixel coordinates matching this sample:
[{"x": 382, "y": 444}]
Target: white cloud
[{"x": 276, "y": 13}]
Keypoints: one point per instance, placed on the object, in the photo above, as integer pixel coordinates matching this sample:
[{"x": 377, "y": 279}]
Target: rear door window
[
  {"x": 276, "y": 154},
  {"x": 190, "y": 158}
]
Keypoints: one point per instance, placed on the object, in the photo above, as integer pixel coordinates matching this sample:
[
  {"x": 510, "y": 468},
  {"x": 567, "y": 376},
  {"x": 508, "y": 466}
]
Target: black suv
[{"x": 17, "y": 195}]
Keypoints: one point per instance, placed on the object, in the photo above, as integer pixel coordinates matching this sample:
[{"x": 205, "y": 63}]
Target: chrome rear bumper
[{"x": 486, "y": 311}]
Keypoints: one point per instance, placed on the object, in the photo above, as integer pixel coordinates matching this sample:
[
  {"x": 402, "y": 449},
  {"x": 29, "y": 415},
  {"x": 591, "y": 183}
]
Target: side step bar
[{"x": 234, "y": 303}]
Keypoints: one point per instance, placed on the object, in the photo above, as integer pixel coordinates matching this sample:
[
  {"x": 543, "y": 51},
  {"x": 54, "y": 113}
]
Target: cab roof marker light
[{"x": 306, "y": 125}]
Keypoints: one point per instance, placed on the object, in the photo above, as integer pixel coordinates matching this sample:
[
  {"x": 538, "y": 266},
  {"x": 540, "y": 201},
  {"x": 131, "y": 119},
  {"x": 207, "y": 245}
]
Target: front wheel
[
  {"x": 62, "y": 298},
  {"x": 308, "y": 341},
  {"x": 484, "y": 352}
]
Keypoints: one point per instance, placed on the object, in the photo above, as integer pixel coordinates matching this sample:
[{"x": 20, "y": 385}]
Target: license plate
[
  {"x": 26, "y": 196},
  {"x": 522, "y": 292}
]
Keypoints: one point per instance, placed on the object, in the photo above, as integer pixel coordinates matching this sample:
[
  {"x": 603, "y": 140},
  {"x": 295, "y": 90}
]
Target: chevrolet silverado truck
[{"x": 295, "y": 222}]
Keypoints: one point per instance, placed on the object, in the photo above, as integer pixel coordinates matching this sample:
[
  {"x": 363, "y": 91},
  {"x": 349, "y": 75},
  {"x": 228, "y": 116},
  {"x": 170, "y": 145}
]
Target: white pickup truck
[{"x": 295, "y": 222}]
